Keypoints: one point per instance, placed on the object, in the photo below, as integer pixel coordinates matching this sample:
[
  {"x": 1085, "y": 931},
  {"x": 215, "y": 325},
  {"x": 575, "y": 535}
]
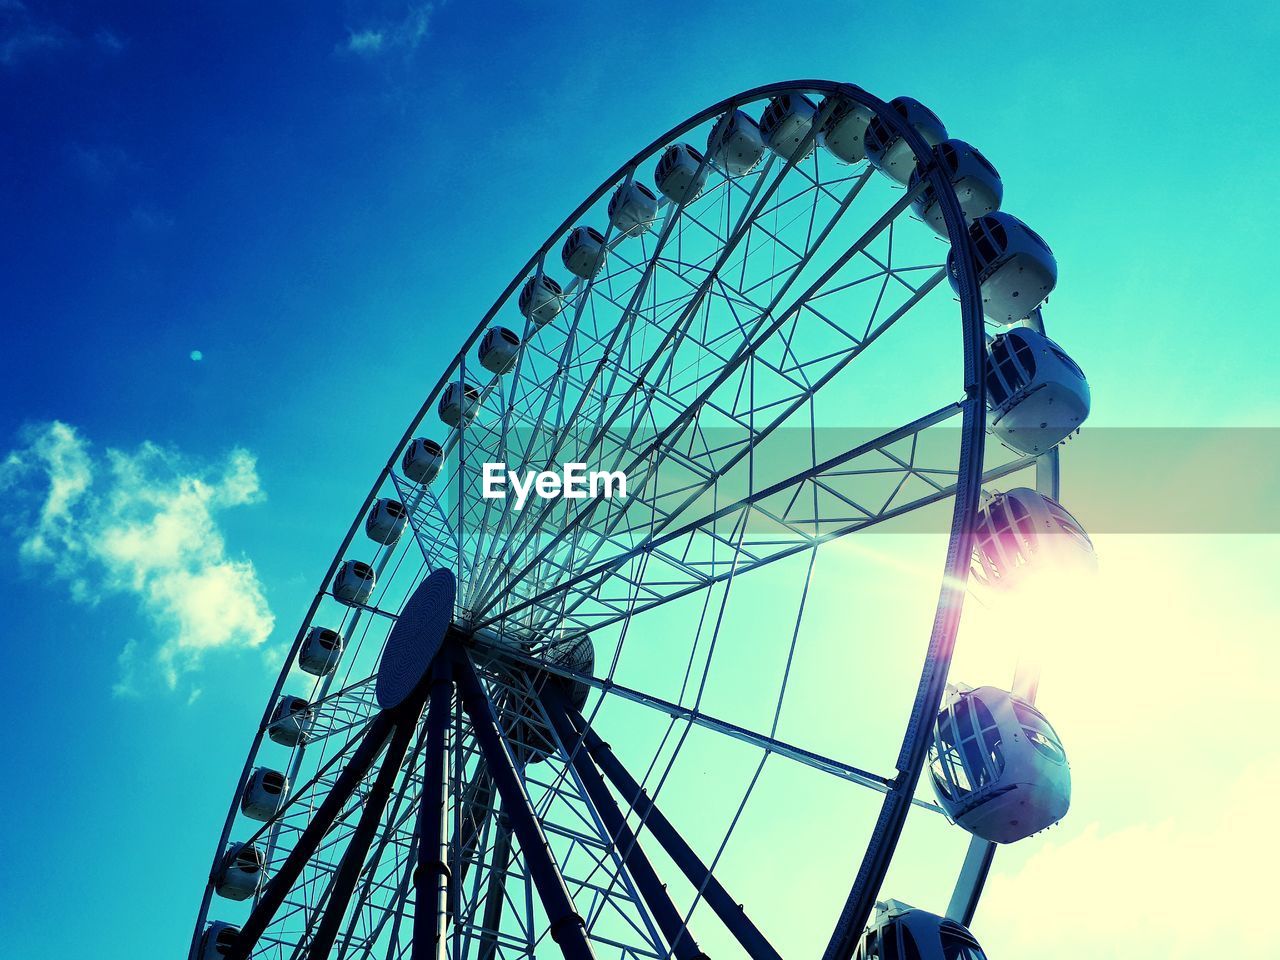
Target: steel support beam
[
  {"x": 495, "y": 889},
  {"x": 567, "y": 928},
  {"x": 713, "y": 892},
  {"x": 278, "y": 887},
  {"x": 973, "y": 877},
  {"x": 475, "y": 812},
  {"x": 353, "y": 858},
  {"x": 651, "y": 888},
  {"x": 431, "y": 875}
]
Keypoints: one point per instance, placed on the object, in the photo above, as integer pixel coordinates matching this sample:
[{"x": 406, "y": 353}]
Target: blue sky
[{"x": 323, "y": 199}]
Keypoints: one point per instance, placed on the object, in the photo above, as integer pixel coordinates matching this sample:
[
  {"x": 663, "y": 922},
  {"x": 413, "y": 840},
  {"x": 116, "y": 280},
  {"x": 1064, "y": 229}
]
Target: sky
[{"x": 239, "y": 242}]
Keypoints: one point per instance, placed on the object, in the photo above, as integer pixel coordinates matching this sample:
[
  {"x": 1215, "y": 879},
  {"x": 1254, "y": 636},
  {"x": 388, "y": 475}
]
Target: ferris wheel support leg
[
  {"x": 679, "y": 939},
  {"x": 568, "y": 929},
  {"x": 713, "y": 892},
  {"x": 431, "y": 876},
  {"x": 375, "y": 737},
  {"x": 353, "y": 858}
]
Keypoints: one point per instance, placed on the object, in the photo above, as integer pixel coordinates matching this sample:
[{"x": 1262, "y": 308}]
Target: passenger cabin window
[
  {"x": 1005, "y": 532},
  {"x": 1025, "y": 356},
  {"x": 1002, "y": 360},
  {"x": 1022, "y": 517},
  {"x": 957, "y": 945},
  {"x": 1067, "y": 361},
  {"x": 967, "y": 747},
  {"x": 1039, "y": 731},
  {"x": 1038, "y": 239},
  {"x": 982, "y": 243},
  {"x": 977, "y": 155},
  {"x": 996, "y": 392}
]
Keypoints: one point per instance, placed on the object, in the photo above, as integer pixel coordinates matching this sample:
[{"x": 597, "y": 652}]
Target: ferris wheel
[{"x": 474, "y": 747}]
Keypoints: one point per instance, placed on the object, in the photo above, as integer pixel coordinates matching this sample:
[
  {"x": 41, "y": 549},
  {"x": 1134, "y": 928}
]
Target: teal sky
[{"x": 320, "y": 201}]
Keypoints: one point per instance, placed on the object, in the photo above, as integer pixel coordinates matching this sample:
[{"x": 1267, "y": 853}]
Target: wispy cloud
[
  {"x": 101, "y": 164},
  {"x": 24, "y": 36},
  {"x": 28, "y": 35},
  {"x": 146, "y": 218},
  {"x": 109, "y": 41},
  {"x": 143, "y": 524},
  {"x": 1148, "y": 889},
  {"x": 404, "y": 33}
]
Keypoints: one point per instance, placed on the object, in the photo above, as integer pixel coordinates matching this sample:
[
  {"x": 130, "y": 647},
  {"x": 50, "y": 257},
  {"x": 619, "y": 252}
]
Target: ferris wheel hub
[{"x": 415, "y": 640}]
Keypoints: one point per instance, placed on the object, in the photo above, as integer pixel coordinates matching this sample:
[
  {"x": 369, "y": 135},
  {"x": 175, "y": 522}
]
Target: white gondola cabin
[
  {"x": 459, "y": 404},
  {"x": 1016, "y": 269},
  {"x": 584, "y": 252},
  {"x": 787, "y": 124},
  {"x": 735, "y": 144},
  {"x": 218, "y": 940},
  {"x": 998, "y": 767},
  {"x": 264, "y": 793},
  {"x": 240, "y": 873},
  {"x": 541, "y": 299},
  {"x": 890, "y": 153},
  {"x": 499, "y": 350},
  {"x": 899, "y": 931},
  {"x": 320, "y": 652},
  {"x": 422, "y": 460},
  {"x": 290, "y": 720},
  {"x": 1021, "y": 530},
  {"x": 845, "y": 129},
  {"x": 386, "y": 520},
  {"x": 681, "y": 173},
  {"x": 633, "y": 208},
  {"x": 354, "y": 582},
  {"x": 1037, "y": 395},
  {"x": 977, "y": 184}
]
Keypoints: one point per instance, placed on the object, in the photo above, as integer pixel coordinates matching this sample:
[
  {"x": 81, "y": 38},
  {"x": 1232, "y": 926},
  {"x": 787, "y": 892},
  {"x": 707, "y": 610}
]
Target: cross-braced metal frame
[{"x": 488, "y": 817}]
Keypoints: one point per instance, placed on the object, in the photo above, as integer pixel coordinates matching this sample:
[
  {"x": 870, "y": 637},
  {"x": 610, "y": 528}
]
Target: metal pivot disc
[{"x": 415, "y": 640}]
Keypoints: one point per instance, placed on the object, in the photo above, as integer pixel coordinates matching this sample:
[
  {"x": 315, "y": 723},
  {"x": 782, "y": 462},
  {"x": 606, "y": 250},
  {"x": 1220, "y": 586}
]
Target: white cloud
[
  {"x": 141, "y": 524},
  {"x": 405, "y": 33},
  {"x": 366, "y": 41},
  {"x": 1192, "y": 881}
]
